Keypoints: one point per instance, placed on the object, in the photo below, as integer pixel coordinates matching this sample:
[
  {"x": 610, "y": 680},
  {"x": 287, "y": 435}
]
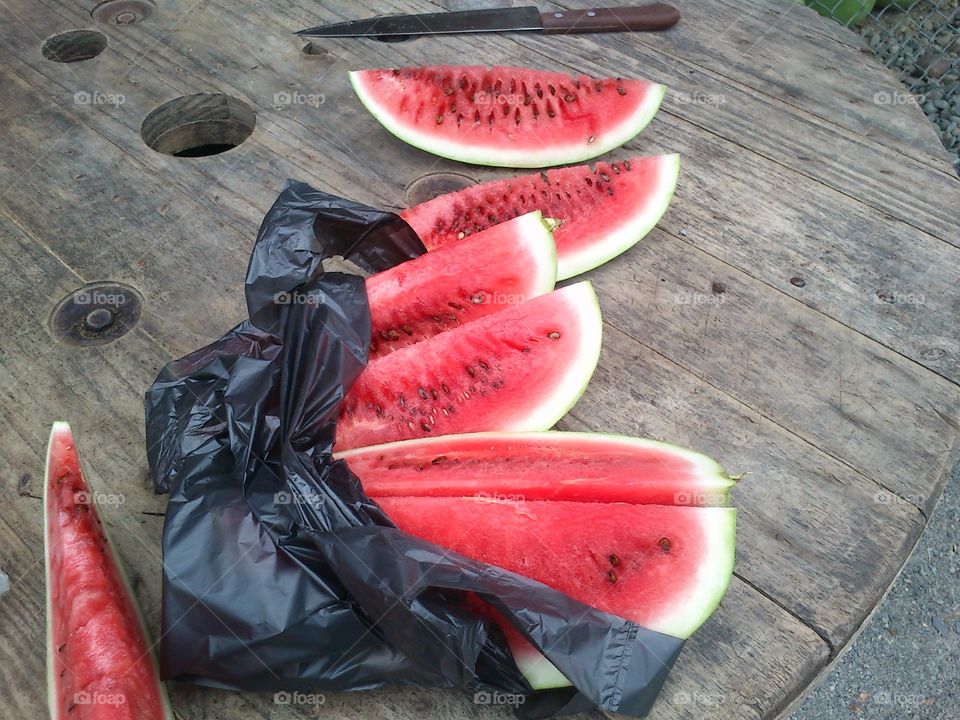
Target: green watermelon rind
[
  {"x": 717, "y": 572},
  {"x": 575, "y": 153},
  {"x": 632, "y": 229},
  {"x": 58, "y": 428},
  {"x": 715, "y": 479}
]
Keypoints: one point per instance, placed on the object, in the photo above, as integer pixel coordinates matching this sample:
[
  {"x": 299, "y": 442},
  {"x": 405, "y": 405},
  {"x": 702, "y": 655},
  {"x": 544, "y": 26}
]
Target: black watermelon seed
[
  {"x": 422, "y": 393},
  {"x": 471, "y": 372},
  {"x": 614, "y": 560},
  {"x": 553, "y": 335},
  {"x": 439, "y": 459},
  {"x": 664, "y": 544},
  {"x": 426, "y": 428},
  {"x": 621, "y": 90},
  {"x": 611, "y": 576}
]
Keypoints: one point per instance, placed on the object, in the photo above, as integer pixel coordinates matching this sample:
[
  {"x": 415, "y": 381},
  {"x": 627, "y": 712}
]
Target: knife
[{"x": 519, "y": 19}]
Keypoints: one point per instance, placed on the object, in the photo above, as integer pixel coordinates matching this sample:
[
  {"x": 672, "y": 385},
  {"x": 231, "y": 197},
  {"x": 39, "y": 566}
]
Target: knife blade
[{"x": 519, "y": 19}]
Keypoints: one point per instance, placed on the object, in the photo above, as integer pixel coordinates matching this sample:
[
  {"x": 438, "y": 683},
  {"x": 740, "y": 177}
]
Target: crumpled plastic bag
[{"x": 279, "y": 573}]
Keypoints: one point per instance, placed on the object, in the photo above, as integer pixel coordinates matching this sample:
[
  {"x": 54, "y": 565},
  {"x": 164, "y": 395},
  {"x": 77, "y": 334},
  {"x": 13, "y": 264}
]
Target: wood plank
[
  {"x": 854, "y": 399},
  {"x": 745, "y": 41},
  {"x": 693, "y": 690},
  {"x": 814, "y": 535}
]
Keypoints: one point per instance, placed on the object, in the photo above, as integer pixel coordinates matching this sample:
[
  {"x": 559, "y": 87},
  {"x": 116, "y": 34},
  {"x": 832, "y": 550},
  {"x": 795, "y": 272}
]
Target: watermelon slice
[
  {"x": 522, "y": 368},
  {"x": 505, "y": 116},
  {"x": 100, "y": 664},
  {"x": 584, "y": 467},
  {"x": 603, "y": 210},
  {"x": 505, "y": 265},
  {"x": 663, "y": 567}
]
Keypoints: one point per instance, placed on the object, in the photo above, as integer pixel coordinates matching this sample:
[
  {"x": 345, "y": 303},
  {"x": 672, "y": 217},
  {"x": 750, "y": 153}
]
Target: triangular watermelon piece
[
  {"x": 100, "y": 663},
  {"x": 663, "y": 567}
]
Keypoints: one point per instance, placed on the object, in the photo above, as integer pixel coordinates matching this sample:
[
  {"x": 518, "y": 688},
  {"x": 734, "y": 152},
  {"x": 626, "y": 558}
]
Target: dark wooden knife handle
[{"x": 619, "y": 19}]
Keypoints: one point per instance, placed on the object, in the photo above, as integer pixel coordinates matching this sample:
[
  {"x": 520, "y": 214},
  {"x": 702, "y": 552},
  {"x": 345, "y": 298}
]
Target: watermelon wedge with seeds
[
  {"x": 664, "y": 567},
  {"x": 507, "y": 116},
  {"x": 505, "y": 265},
  {"x": 571, "y": 466},
  {"x": 518, "y": 369},
  {"x": 100, "y": 663},
  {"x": 603, "y": 210}
]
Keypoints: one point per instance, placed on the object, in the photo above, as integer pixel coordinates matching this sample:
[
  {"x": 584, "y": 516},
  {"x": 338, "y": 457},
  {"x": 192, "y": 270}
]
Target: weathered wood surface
[{"x": 843, "y": 408}]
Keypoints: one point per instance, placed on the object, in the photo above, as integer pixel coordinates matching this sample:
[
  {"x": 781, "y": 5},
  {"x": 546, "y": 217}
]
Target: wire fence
[{"x": 920, "y": 41}]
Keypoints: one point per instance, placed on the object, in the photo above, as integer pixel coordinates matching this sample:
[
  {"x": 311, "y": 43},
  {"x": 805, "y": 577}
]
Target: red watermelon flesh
[
  {"x": 504, "y": 265},
  {"x": 585, "y": 467},
  {"x": 507, "y": 116},
  {"x": 519, "y": 369},
  {"x": 100, "y": 664},
  {"x": 665, "y": 568},
  {"x": 603, "y": 210}
]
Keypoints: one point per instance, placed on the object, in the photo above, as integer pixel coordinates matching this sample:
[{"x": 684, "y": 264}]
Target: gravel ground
[
  {"x": 906, "y": 662},
  {"x": 922, "y": 45}
]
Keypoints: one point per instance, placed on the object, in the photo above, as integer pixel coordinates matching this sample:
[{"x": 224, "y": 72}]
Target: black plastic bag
[{"x": 279, "y": 573}]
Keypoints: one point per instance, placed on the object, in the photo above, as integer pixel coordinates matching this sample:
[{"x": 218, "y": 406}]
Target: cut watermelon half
[
  {"x": 665, "y": 568},
  {"x": 100, "y": 664},
  {"x": 504, "y": 265},
  {"x": 572, "y": 466},
  {"x": 519, "y": 369},
  {"x": 507, "y": 116},
  {"x": 603, "y": 210}
]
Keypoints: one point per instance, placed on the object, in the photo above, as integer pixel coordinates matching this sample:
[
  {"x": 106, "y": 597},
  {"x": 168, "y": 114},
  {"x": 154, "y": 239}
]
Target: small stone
[
  {"x": 4, "y": 583},
  {"x": 940, "y": 626},
  {"x": 929, "y": 109}
]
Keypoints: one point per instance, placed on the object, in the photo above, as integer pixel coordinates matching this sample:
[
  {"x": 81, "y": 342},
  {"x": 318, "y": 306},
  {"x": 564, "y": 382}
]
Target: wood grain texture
[{"x": 842, "y": 408}]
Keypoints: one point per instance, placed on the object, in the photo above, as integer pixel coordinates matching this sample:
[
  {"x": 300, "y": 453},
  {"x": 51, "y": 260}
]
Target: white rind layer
[
  {"x": 633, "y": 228},
  {"x": 518, "y": 158}
]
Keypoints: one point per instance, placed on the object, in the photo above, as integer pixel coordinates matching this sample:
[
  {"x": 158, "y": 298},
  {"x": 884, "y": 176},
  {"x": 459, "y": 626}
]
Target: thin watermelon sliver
[
  {"x": 505, "y": 265},
  {"x": 574, "y": 466},
  {"x": 663, "y": 567},
  {"x": 100, "y": 663}
]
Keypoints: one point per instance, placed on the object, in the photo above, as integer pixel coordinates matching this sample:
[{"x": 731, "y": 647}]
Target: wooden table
[{"x": 795, "y": 314}]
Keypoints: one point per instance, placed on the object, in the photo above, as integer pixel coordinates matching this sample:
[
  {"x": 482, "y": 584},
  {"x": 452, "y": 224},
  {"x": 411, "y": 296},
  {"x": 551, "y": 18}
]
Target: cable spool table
[{"x": 794, "y": 315}]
